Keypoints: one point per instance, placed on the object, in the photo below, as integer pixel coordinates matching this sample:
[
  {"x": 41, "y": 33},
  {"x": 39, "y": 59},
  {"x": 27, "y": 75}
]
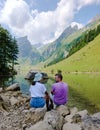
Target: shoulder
[
  {"x": 65, "y": 84},
  {"x": 40, "y": 84}
]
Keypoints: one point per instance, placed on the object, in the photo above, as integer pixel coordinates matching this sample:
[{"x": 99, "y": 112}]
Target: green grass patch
[{"x": 87, "y": 85}]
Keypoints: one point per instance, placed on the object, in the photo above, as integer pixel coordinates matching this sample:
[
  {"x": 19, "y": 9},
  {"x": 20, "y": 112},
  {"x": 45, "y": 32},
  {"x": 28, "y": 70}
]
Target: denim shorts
[{"x": 37, "y": 102}]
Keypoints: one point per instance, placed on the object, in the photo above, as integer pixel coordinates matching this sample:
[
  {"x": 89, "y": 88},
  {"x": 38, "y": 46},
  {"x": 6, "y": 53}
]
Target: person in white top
[{"x": 38, "y": 92}]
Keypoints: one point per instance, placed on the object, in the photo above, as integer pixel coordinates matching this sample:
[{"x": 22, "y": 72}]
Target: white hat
[{"x": 38, "y": 77}]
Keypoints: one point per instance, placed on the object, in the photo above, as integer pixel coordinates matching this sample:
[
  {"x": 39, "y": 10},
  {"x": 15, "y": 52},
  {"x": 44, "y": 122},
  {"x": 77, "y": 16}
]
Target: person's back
[
  {"x": 37, "y": 90},
  {"x": 60, "y": 91}
]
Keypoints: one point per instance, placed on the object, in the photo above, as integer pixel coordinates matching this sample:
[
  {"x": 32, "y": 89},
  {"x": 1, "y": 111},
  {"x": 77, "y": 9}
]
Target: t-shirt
[
  {"x": 37, "y": 90},
  {"x": 60, "y": 92}
]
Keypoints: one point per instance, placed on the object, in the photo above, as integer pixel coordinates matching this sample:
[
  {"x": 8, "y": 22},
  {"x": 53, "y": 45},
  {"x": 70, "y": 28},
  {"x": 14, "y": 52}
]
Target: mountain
[
  {"x": 54, "y": 47},
  {"x": 59, "y": 49},
  {"x": 38, "y": 45},
  {"x": 28, "y": 52}
]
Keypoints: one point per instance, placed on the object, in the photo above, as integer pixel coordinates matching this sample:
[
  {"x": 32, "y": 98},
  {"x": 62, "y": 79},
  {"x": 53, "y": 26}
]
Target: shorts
[{"x": 37, "y": 102}]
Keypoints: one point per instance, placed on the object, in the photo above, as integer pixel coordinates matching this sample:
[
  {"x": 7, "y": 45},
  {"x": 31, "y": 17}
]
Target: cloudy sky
[{"x": 44, "y": 20}]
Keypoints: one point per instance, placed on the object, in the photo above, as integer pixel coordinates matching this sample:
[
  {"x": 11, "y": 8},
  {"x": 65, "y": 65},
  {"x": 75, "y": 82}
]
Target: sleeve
[{"x": 53, "y": 88}]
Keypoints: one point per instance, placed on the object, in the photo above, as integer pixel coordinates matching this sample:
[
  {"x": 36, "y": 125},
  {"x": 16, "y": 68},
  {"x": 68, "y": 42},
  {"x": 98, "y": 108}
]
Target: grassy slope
[{"x": 86, "y": 59}]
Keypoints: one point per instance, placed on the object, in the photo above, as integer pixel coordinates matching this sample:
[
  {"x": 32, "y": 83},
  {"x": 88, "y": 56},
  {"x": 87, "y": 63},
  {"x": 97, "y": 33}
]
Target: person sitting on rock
[
  {"x": 59, "y": 92},
  {"x": 38, "y": 92}
]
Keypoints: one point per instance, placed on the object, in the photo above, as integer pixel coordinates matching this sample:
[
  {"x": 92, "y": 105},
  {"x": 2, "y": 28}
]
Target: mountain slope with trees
[
  {"x": 68, "y": 43},
  {"x": 28, "y": 52}
]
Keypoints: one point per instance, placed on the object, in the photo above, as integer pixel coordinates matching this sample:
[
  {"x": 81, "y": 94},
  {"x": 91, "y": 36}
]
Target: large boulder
[
  {"x": 70, "y": 126},
  {"x": 54, "y": 119},
  {"x": 63, "y": 110},
  {"x": 35, "y": 115},
  {"x": 3, "y": 105},
  {"x": 91, "y": 123},
  {"x": 13, "y": 101},
  {"x": 42, "y": 125},
  {"x": 31, "y": 74},
  {"x": 13, "y": 87}
]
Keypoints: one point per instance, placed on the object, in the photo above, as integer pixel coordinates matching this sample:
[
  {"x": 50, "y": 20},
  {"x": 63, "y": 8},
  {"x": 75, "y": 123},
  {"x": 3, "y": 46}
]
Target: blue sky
[
  {"x": 87, "y": 13},
  {"x": 44, "y": 20}
]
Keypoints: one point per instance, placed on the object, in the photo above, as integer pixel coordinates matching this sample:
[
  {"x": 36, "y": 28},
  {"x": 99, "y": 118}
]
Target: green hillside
[
  {"x": 86, "y": 59},
  {"x": 82, "y": 73}
]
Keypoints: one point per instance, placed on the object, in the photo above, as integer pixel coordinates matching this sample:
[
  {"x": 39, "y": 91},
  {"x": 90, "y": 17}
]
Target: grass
[{"x": 87, "y": 85}]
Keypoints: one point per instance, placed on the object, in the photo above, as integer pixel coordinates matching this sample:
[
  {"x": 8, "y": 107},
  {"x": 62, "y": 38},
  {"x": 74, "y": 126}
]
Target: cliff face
[
  {"x": 28, "y": 52},
  {"x": 16, "y": 114}
]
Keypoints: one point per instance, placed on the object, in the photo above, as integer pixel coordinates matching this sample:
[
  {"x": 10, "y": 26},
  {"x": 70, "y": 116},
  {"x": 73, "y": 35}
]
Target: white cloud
[
  {"x": 43, "y": 26},
  {"x": 79, "y": 25}
]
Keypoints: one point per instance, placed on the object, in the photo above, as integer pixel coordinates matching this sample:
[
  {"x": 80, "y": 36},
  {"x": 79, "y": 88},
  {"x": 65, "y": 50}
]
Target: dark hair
[
  {"x": 59, "y": 76},
  {"x": 34, "y": 82}
]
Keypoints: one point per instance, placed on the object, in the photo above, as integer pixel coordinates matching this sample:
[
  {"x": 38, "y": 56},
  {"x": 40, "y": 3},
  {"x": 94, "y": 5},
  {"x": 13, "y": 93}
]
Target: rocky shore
[{"x": 16, "y": 114}]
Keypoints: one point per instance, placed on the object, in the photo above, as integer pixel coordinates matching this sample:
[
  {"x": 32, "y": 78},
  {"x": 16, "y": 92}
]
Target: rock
[
  {"x": 13, "y": 87},
  {"x": 1, "y": 89},
  {"x": 35, "y": 115},
  {"x": 73, "y": 111},
  {"x": 6, "y": 99},
  {"x": 83, "y": 114},
  {"x": 76, "y": 118},
  {"x": 68, "y": 119},
  {"x": 13, "y": 101},
  {"x": 54, "y": 119},
  {"x": 69, "y": 126},
  {"x": 42, "y": 125},
  {"x": 91, "y": 123},
  {"x": 63, "y": 110},
  {"x": 2, "y": 105},
  {"x": 31, "y": 74},
  {"x": 96, "y": 115}
]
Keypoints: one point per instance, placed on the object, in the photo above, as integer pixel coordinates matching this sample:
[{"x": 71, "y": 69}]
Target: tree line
[
  {"x": 83, "y": 40},
  {"x": 8, "y": 56}
]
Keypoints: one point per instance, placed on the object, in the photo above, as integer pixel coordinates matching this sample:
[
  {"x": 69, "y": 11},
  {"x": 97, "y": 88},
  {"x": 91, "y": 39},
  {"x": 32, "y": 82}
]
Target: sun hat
[{"x": 38, "y": 77}]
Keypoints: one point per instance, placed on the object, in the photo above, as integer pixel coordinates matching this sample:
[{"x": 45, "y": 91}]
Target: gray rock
[
  {"x": 91, "y": 123},
  {"x": 63, "y": 110},
  {"x": 73, "y": 110},
  {"x": 83, "y": 114},
  {"x": 96, "y": 115},
  {"x": 68, "y": 119},
  {"x": 42, "y": 125},
  {"x": 76, "y": 118},
  {"x": 70, "y": 126},
  {"x": 13, "y": 87},
  {"x": 13, "y": 101},
  {"x": 35, "y": 115},
  {"x": 54, "y": 119}
]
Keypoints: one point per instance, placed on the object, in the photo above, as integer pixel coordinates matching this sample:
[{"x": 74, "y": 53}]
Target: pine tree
[{"x": 8, "y": 55}]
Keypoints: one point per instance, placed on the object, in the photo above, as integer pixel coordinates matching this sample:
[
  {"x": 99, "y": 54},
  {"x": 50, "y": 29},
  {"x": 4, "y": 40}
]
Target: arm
[{"x": 47, "y": 96}]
